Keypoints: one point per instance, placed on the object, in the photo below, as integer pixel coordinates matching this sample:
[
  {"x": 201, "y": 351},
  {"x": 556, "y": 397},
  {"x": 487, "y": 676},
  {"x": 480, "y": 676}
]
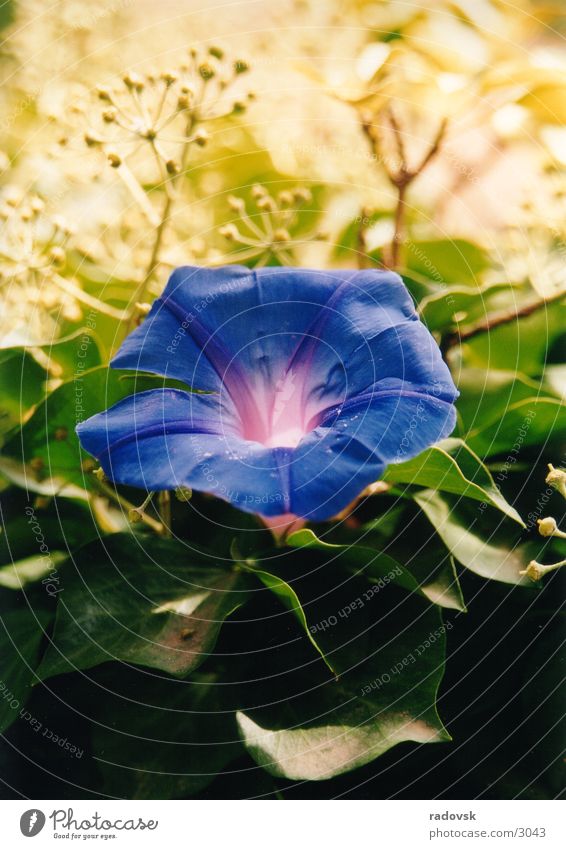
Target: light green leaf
[
  {"x": 486, "y": 394},
  {"x": 439, "y": 309},
  {"x": 528, "y": 422},
  {"x": 451, "y": 466},
  {"x": 479, "y": 539},
  {"x": 447, "y": 261},
  {"x": 14, "y": 576}
]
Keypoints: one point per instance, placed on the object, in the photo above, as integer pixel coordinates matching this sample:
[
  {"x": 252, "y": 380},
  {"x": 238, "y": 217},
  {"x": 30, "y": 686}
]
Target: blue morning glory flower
[{"x": 309, "y": 383}]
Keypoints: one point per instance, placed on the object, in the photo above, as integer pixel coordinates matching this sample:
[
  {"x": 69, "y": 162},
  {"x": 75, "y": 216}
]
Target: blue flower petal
[
  {"x": 208, "y": 321},
  {"x": 329, "y": 470},
  {"x": 336, "y": 364},
  {"x": 165, "y": 439},
  {"x": 339, "y": 459}
]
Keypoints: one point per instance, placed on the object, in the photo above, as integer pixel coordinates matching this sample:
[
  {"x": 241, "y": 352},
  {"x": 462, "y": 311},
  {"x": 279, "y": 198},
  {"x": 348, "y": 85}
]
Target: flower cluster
[
  {"x": 32, "y": 257},
  {"x": 269, "y": 230},
  {"x": 167, "y": 111}
]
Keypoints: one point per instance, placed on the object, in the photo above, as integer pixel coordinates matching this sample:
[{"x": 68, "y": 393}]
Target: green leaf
[
  {"x": 357, "y": 559},
  {"x": 389, "y": 652},
  {"x": 167, "y": 742},
  {"x": 451, "y": 466},
  {"x": 48, "y": 446},
  {"x": 431, "y": 575},
  {"x": 287, "y": 596},
  {"x": 143, "y": 600},
  {"x": 522, "y": 345},
  {"x": 21, "y": 634},
  {"x": 25, "y": 372},
  {"x": 14, "y": 576},
  {"x": 487, "y": 394},
  {"x": 447, "y": 260},
  {"x": 438, "y": 310},
  {"x": 479, "y": 539},
  {"x": 21, "y": 387},
  {"x": 528, "y": 422}
]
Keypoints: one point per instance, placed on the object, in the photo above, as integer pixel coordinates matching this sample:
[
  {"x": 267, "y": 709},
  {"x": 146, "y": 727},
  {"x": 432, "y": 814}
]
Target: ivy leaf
[
  {"x": 389, "y": 653},
  {"x": 168, "y": 742},
  {"x": 528, "y": 422},
  {"x": 47, "y": 447},
  {"x": 479, "y": 539},
  {"x": 431, "y": 575},
  {"x": 451, "y": 466},
  {"x": 142, "y": 600},
  {"x": 21, "y": 634},
  {"x": 286, "y": 595}
]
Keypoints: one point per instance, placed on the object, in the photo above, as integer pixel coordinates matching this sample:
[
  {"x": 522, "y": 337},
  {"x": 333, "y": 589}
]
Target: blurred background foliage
[{"x": 428, "y": 137}]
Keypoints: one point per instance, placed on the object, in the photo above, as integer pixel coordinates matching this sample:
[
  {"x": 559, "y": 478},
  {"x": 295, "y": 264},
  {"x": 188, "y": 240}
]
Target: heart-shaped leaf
[
  {"x": 169, "y": 741},
  {"x": 47, "y": 449},
  {"x": 431, "y": 575},
  {"x": 451, "y": 466},
  {"x": 479, "y": 539},
  {"x": 528, "y": 422},
  {"x": 389, "y": 653},
  {"x": 21, "y": 634},
  {"x": 142, "y": 600}
]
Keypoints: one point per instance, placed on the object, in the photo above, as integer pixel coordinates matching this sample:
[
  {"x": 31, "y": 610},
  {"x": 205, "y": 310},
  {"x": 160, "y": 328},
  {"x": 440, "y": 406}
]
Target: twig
[
  {"x": 400, "y": 178},
  {"x": 490, "y": 322}
]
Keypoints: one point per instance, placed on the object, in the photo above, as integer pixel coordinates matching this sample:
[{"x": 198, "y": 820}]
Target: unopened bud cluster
[
  {"x": 33, "y": 258},
  {"x": 167, "y": 109},
  {"x": 269, "y": 225}
]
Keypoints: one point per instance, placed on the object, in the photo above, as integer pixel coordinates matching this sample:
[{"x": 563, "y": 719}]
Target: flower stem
[
  {"x": 164, "y": 502},
  {"x": 111, "y": 493},
  {"x": 153, "y": 263}
]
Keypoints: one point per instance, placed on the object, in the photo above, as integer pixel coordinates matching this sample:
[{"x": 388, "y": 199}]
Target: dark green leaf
[
  {"x": 21, "y": 635},
  {"x": 286, "y": 595},
  {"x": 143, "y": 600},
  {"x": 429, "y": 573},
  {"x": 158, "y": 738},
  {"x": 389, "y": 652}
]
